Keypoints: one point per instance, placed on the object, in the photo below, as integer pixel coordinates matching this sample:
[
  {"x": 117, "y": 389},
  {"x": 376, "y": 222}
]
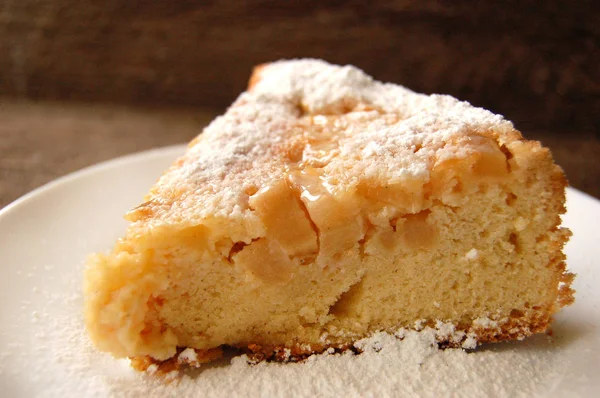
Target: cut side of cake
[{"x": 325, "y": 206}]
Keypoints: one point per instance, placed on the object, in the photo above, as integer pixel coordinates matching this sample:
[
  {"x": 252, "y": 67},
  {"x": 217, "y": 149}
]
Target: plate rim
[{"x": 85, "y": 171}]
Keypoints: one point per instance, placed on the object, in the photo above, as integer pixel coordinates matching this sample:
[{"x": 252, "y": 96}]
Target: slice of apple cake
[{"x": 324, "y": 206}]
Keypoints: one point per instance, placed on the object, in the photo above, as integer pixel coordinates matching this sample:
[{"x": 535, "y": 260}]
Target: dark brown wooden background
[{"x": 536, "y": 62}]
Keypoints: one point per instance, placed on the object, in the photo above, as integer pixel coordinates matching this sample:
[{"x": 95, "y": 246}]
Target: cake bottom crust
[{"x": 448, "y": 335}]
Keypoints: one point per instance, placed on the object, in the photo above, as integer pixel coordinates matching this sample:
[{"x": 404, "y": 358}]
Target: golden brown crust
[
  {"x": 177, "y": 361},
  {"x": 515, "y": 328},
  {"x": 256, "y": 75}
]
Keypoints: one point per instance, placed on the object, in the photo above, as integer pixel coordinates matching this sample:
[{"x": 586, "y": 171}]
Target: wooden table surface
[{"x": 42, "y": 141}]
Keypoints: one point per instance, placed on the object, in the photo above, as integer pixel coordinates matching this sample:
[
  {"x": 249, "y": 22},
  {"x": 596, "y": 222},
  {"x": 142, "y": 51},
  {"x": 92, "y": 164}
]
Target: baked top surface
[{"x": 380, "y": 131}]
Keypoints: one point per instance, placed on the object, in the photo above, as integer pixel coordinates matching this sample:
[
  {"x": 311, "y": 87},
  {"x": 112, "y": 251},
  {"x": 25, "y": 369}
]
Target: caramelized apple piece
[
  {"x": 336, "y": 217},
  {"x": 485, "y": 161},
  {"x": 278, "y": 268},
  {"x": 414, "y": 232},
  {"x": 406, "y": 196},
  {"x": 409, "y": 232},
  {"x": 285, "y": 221}
]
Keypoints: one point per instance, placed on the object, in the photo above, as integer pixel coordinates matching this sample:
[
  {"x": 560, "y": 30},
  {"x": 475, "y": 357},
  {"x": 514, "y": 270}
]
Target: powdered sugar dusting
[{"x": 385, "y": 133}]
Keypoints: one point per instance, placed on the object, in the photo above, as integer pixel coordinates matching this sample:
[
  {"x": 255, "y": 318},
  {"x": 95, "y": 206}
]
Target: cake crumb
[
  {"x": 521, "y": 224},
  {"x": 470, "y": 342},
  {"x": 472, "y": 254},
  {"x": 188, "y": 356}
]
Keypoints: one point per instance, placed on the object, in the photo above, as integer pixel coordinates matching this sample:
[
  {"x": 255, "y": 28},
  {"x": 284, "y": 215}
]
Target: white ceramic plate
[{"x": 46, "y": 235}]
